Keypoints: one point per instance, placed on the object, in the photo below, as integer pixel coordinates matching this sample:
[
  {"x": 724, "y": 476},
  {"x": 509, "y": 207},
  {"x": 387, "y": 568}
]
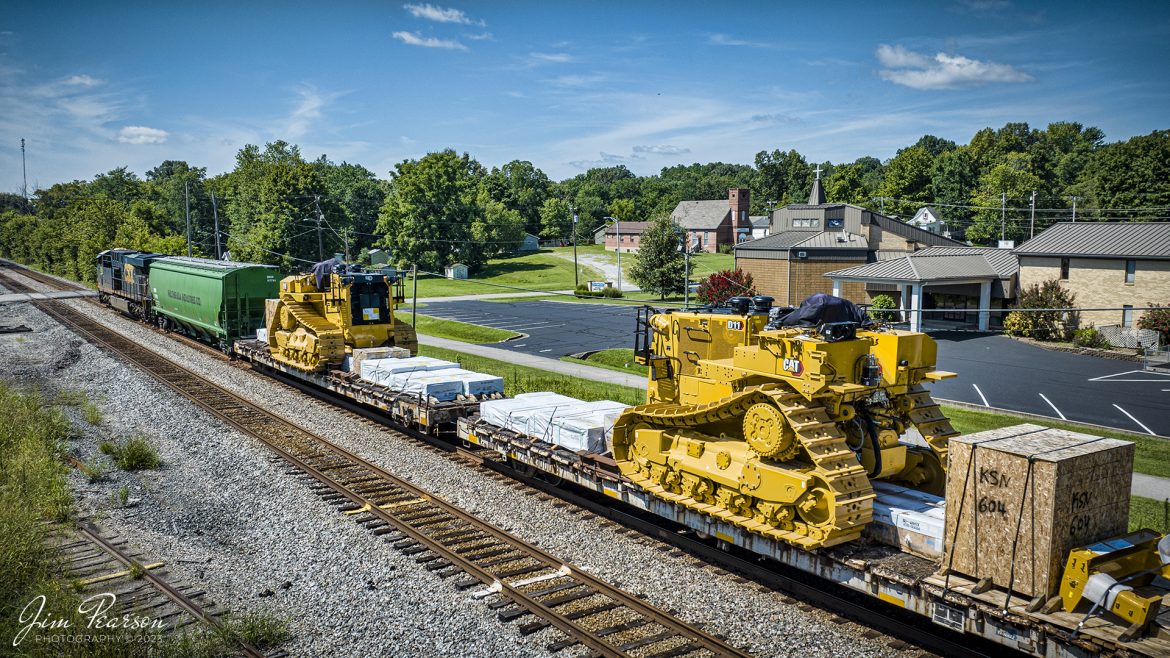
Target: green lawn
[
  {"x": 542, "y": 270},
  {"x": 522, "y": 379},
  {"x": 1152, "y": 457},
  {"x": 468, "y": 333},
  {"x": 621, "y": 360},
  {"x": 1148, "y": 513}
]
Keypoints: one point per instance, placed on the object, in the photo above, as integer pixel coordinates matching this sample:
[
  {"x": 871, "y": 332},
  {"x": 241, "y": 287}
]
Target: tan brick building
[
  {"x": 1120, "y": 266},
  {"x": 629, "y": 238},
  {"x": 809, "y": 239}
]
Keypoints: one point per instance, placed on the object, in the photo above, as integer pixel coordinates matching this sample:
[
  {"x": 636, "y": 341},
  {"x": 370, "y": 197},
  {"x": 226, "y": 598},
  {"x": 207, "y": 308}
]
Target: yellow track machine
[
  {"x": 778, "y": 422},
  {"x": 321, "y": 315}
]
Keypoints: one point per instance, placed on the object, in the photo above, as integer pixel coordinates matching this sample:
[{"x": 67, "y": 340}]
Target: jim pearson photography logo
[{"x": 94, "y": 623}]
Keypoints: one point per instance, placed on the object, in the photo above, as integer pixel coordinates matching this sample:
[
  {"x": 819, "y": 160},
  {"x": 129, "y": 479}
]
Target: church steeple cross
[{"x": 818, "y": 170}]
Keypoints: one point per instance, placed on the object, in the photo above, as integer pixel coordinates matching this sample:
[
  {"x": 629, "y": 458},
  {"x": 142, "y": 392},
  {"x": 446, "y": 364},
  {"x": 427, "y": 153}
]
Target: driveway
[{"x": 993, "y": 371}]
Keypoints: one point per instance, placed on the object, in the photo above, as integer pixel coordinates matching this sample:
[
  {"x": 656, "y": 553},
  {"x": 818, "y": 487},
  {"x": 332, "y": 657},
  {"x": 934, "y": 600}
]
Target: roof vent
[{"x": 802, "y": 254}]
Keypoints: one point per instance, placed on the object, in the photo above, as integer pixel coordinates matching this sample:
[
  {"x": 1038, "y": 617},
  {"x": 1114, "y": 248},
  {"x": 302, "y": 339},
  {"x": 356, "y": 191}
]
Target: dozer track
[
  {"x": 331, "y": 341},
  {"x": 842, "y": 496},
  {"x": 928, "y": 417}
]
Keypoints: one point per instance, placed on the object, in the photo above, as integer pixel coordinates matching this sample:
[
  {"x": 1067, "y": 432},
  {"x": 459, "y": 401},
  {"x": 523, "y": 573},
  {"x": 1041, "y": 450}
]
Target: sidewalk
[
  {"x": 541, "y": 362},
  {"x": 493, "y": 295},
  {"x": 1147, "y": 486}
]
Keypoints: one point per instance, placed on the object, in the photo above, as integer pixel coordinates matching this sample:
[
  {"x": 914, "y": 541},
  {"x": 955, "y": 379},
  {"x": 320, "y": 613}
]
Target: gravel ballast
[{"x": 248, "y": 531}]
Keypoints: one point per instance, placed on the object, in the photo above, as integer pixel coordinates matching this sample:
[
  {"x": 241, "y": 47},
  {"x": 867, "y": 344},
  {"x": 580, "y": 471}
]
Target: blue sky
[{"x": 93, "y": 86}]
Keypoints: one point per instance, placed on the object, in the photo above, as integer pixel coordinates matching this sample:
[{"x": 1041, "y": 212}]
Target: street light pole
[
  {"x": 576, "y": 278},
  {"x": 617, "y": 227}
]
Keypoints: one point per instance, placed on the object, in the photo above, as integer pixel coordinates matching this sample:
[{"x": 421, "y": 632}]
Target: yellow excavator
[
  {"x": 777, "y": 420},
  {"x": 321, "y": 315}
]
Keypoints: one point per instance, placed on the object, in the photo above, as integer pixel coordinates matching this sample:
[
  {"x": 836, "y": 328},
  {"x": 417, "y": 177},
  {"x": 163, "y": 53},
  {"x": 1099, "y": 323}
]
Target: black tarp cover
[{"x": 821, "y": 308}]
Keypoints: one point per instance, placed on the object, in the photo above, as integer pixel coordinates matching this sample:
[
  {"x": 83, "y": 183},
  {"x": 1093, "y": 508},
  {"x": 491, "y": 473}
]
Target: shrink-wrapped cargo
[
  {"x": 557, "y": 419},
  {"x": 909, "y": 519},
  {"x": 379, "y": 370},
  {"x": 426, "y": 384},
  {"x": 476, "y": 383},
  {"x": 513, "y": 414},
  {"x": 353, "y": 362}
]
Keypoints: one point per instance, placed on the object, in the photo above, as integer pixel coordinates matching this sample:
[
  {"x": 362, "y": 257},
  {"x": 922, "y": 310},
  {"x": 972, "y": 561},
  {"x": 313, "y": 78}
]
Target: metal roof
[
  {"x": 938, "y": 264},
  {"x": 210, "y": 264},
  {"x": 807, "y": 240},
  {"x": 628, "y": 228},
  {"x": 1101, "y": 240},
  {"x": 701, "y": 214},
  {"x": 760, "y": 221}
]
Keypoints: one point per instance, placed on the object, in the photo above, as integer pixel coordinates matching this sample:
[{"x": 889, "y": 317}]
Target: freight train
[{"x": 804, "y": 435}]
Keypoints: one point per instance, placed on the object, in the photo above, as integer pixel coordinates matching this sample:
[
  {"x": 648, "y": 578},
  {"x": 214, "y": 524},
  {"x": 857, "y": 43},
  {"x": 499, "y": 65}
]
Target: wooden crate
[{"x": 1076, "y": 493}]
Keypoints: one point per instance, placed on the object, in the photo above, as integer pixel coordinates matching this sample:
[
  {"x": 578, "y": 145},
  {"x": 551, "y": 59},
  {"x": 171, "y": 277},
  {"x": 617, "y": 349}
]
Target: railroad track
[
  {"x": 528, "y": 584},
  {"x": 100, "y": 564}
]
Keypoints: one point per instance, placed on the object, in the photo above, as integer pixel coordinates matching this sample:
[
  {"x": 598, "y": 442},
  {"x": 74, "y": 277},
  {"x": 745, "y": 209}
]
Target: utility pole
[
  {"x": 617, "y": 227},
  {"x": 1003, "y": 216},
  {"x": 215, "y": 216},
  {"x": 345, "y": 238},
  {"x": 576, "y": 281},
  {"x": 686, "y": 248},
  {"x": 1032, "y": 226},
  {"x": 882, "y": 201},
  {"x": 187, "y": 202},
  {"x": 414, "y": 299},
  {"x": 1074, "y": 199},
  {"x": 320, "y": 216},
  {"x": 23, "y": 173}
]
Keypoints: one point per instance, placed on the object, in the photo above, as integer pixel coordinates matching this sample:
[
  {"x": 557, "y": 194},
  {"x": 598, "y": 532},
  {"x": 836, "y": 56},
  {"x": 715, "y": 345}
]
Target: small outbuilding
[
  {"x": 456, "y": 271},
  {"x": 530, "y": 243}
]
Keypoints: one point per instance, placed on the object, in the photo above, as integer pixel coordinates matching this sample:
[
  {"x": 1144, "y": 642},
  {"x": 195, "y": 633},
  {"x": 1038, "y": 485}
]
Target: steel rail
[
  {"x": 174, "y": 595},
  {"x": 243, "y": 415}
]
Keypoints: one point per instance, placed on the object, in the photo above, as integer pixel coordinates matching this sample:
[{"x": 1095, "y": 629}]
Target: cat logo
[{"x": 793, "y": 366}]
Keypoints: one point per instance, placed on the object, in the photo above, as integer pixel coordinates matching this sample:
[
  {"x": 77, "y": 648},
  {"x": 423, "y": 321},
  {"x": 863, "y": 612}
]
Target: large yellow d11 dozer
[
  {"x": 321, "y": 315},
  {"x": 777, "y": 421}
]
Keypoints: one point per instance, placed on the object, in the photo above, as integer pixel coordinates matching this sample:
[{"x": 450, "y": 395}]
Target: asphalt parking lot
[{"x": 993, "y": 371}]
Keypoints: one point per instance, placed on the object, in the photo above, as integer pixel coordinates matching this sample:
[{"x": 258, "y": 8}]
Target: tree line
[{"x": 447, "y": 207}]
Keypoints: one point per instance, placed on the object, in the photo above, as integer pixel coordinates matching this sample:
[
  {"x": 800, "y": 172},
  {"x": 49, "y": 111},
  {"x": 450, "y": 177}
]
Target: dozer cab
[
  {"x": 777, "y": 419},
  {"x": 323, "y": 314}
]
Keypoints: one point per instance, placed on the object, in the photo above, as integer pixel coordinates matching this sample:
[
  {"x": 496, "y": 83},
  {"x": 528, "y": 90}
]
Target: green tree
[
  {"x": 783, "y": 177},
  {"x": 358, "y": 194},
  {"x": 496, "y": 229},
  {"x": 521, "y": 187},
  {"x": 659, "y": 267},
  {"x": 1012, "y": 177},
  {"x": 954, "y": 178},
  {"x": 556, "y": 221},
  {"x": 622, "y": 210},
  {"x": 1130, "y": 174},
  {"x": 428, "y": 215},
  {"x": 907, "y": 185},
  {"x": 174, "y": 183}
]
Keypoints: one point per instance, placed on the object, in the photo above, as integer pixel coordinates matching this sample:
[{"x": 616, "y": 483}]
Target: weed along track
[{"x": 523, "y": 583}]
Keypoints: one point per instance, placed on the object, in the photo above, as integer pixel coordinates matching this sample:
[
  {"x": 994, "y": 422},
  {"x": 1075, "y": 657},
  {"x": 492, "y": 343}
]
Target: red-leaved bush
[
  {"x": 721, "y": 286},
  {"x": 1156, "y": 318}
]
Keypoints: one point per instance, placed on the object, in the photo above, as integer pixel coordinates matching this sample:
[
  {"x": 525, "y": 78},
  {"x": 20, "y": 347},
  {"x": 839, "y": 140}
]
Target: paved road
[{"x": 993, "y": 370}]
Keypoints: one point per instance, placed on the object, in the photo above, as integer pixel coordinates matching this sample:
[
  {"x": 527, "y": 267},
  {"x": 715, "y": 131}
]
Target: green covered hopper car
[{"x": 216, "y": 301}]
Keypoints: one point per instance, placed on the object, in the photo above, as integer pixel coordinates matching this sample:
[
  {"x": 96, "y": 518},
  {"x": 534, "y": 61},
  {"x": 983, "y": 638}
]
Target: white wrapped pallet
[
  {"x": 476, "y": 383},
  {"x": 584, "y": 414},
  {"x": 380, "y": 370},
  {"x": 353, "y": 362},
  {"x": 424, "y": 384},
  {"x": 513, "y": 413},
  {"x": 913, "y": 520}
]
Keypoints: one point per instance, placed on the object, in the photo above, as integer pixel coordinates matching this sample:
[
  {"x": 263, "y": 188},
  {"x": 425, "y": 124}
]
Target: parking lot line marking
[
  {"x": 1053, "y": 407},
  {"x": 1135, "y": 420},
  {"x": 981, "y": 396},
  {"x": 1147, "y": 375},
  {"x": 520, "y": 345},
  {"x": 550, "y": 349}
]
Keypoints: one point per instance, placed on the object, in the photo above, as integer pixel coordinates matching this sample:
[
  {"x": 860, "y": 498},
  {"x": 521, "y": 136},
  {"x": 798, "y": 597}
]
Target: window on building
[
  {"x": 1127, "y": 316},
  {"x": 806, "y": 223},
  {"x": 1130, "y": 270},
  {"x": 1064, "y": 269}
]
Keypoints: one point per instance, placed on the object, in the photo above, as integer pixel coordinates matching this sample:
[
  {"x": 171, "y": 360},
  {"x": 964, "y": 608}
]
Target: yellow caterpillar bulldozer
[
  {"x": 777, "y": 420},
  {"x": 322, "y": 314}
]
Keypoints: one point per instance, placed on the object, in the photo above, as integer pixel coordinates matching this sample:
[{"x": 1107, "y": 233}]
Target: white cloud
[
  {"x": 726, "y": 40},
  {"x": 307, "y": 110},
  {"x": 606, "y": 160},
  {"x": 661, "y": 149},
  {"x": 482, "y": 36},
  {"x": 412, "y": 39},
  {"x": 943, "y": 71},
  {"x": 142, "y": 135},
  {"x": 81, "y": 81},
  {"x": 557, "y": 58},
  {"x": 440, "y": 14},
  {"x": 576, "y": 81}
]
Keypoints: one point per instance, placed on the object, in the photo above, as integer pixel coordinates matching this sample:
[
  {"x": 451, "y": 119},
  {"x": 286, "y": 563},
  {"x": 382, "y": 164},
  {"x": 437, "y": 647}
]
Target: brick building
[
  {"x": 1123, "y": 266},
  {"x": 630, "y": 237},
  {"x": 710, "y": 224},
  {"x": 808, "y": 240}
]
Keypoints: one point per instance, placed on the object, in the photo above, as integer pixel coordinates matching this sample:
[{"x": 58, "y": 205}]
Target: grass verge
[
  {"x": 543, "y": 270},
  {"x": 621, "y": 360},
  {"x": 523, "y": 379},
  {"x": 1152, "y": 455},
  {"x": 455, "y": 330},
  {"x": 1149, "y": 513}
]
